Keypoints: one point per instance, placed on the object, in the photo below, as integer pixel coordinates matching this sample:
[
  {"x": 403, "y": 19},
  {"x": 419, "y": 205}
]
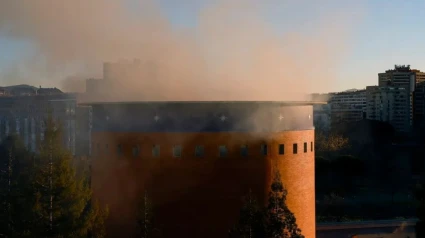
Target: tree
[
  {"x": 420, "y": 199},
  {"x": 347, "y": 168},
  {"x": 331, "y": 142},
  {"x": 145, "y": 217},
  {"x": 251, "y": 221},
  {"x": 15, "y": 197},
  {"x": 280, "y": 221},
  {"x": 334, "y": 206},
  {"x": 323, "y": 174},
  {"x": 62, "y": 203},
  {"x": 98, "y": 216}
]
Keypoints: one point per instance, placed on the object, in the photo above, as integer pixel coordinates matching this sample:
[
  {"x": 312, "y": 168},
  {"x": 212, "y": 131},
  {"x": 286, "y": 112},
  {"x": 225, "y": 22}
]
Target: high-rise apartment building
[
  {"x": 348, "y": 106},
  {"x": 419, "y": 105},
  {"x": 402, "y": 76},
  {"x": 120, "y": 78},
  {"x": 390, "y": 104}
]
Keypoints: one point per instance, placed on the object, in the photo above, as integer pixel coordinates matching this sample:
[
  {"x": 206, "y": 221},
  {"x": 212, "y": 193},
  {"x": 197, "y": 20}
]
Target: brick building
[{"x": 197, "y": 159}]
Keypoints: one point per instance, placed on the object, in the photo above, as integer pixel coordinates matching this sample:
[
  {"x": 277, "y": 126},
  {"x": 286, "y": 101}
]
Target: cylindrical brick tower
[{"x": 197, "y": 160}]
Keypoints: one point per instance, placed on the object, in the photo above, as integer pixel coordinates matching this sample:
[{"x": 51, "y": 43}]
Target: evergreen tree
[
  {"x": 145, "y": 217},
  {"x": 420, "y": 199},
  {"x": 15, "y": 196},
  {"x": 281, "y": 222},
  {"x": 62, "y": 204},
  {"x": 251, "y": 222},
  {"x": 98, "y": 216}
]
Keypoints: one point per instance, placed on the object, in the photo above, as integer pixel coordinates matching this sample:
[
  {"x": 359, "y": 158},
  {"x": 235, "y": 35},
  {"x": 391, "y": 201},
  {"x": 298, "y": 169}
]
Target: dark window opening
[
  {"x": 199, "y": 151},
  {"x": 281, "y": 149},
  {"x": 244, "y": 150},
  {"x": 222, "y": 151},
  {"x": 305, "y": 147},
  {"x": 156, "y": 151},
  {"x": 119, "y": 149},
  {"x": 295, "y": 148},
  {"x": 264, "y": 149},
  {"x": 177, "y": 151},
  {"x": 136, "y": 151}
]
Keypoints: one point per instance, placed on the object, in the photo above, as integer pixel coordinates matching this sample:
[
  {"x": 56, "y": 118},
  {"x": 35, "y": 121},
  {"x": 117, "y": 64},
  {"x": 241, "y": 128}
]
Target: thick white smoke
[{"x": 232, "y": 53}]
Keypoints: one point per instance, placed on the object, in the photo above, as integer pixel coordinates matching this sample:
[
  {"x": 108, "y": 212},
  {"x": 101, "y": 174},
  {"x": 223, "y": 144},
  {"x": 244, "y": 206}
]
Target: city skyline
[{"x": 378, "y": 36}]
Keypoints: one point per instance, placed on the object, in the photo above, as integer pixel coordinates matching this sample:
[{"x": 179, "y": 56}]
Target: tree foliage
[
  {"x": 61, "y": 198},
  {"x": 41, "y": 194},
  {"x": 420, "y": 198},
  {"x": 145, "y": 217},
  {"x": 251, "y": 222},
  {"x": 419, "y": 193},
  {"x": 274, "y": 221},
  {"x": 15, "y": 194},
  {"x": 98, "y": 216},
  {"x": 63, "y": 203},
  {"x": 281, "y": 222},
  {"x": 334, "y": 207},
  {"x": 330, "y": 142}
]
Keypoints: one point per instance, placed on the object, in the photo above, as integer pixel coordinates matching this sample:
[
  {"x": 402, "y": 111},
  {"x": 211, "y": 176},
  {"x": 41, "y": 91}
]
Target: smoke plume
[{"x": 232, "y": 52}]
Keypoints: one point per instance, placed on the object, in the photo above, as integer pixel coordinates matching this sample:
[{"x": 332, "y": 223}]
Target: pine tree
[
  {"x": 98, "y": 216},
  {"x": 419, "y": 192},
  {"x": 14, "y": 188},
  {"x": 281, "y": 222},
  {"x": 145, "y": 217},
  {"x": 62, "y": 204},
  {"x": 251, "y": 222}
]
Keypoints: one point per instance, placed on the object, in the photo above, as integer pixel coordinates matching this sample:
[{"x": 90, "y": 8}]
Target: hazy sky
[{"x": 384, "y": 33}]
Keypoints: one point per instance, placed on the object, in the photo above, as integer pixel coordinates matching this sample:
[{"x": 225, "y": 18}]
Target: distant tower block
[{"x": 197, "y": 159}]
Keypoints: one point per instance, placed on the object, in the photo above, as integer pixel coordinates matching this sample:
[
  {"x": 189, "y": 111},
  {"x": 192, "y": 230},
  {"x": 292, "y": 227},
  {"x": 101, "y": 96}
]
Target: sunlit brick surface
[{"x": 199, "y": 197}]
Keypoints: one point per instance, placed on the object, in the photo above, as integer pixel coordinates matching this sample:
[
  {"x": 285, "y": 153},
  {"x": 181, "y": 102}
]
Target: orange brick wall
[{"x": 199, "y": 197}]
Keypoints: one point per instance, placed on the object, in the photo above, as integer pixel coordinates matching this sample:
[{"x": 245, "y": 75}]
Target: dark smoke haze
[{"x": 231, "y": 54}]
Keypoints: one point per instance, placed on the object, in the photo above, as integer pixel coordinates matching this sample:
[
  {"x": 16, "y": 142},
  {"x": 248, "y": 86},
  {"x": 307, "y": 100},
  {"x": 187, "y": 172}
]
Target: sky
[{"x": 383, "y": 33}]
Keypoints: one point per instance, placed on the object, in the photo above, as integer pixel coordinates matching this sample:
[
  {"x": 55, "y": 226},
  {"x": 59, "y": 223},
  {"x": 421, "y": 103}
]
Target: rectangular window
[
  {"x": 281, "y": 149},
  {"x": 136, "y": 151},
  {"x": 264, "y": 149},
  {"x": 199, "y": 151},
  {"x": 106, "y": 148},
  {"x": 295, "y": 148},
  {"x": 311, "y": 146},
  {"x": 222, "y": 151},
  {"x": 156, "y": 151},
  {"x": 244, "y": 150},
  {"x": 177, "y": 151},
  {"x": 305, "y": 147},
  {"x": 119, "y": 149}
]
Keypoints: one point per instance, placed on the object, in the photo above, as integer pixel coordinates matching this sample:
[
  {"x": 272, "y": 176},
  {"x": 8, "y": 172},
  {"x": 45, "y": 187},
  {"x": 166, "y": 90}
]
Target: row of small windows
[{"x": 222, "y": 150}]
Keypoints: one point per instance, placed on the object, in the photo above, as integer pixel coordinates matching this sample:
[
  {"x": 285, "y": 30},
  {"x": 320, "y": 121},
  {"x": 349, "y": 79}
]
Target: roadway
[{"x": 367, "y": 229}]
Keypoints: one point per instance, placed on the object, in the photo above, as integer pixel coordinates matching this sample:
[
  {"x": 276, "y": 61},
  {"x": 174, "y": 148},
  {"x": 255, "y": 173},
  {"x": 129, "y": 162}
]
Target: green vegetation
[
  {"x": 145, "y": 218},
  {"x": 42, "y": 196},
  {"x": 251, "y": 221},
  {"x": 363, "y": 171},
  {"x": 16, "y": 218},
  {"x": 420, "y": 198},
  {"x": 275, "y": 221}
]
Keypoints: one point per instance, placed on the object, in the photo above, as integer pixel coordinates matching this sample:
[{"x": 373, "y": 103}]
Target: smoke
[{"x": 232, "y": 52}]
